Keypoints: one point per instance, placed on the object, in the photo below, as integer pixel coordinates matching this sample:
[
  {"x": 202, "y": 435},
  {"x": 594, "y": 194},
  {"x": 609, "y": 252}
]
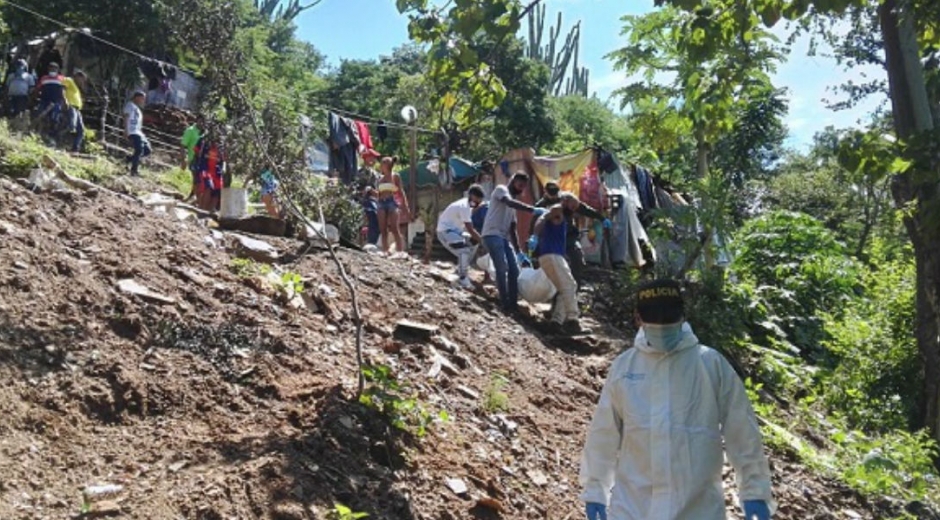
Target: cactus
[
  {"x": 273, "y": 8},
  {"x": 559, "y": 60}
]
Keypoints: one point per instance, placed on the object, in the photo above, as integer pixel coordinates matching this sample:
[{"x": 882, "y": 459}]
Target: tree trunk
[
  {"x": 912, "y": 114},
  {"x": 707, "y": 250}
]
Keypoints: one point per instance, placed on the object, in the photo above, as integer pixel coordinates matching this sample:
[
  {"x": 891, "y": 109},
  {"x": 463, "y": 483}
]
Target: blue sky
[{"x": 366, "y": 29}]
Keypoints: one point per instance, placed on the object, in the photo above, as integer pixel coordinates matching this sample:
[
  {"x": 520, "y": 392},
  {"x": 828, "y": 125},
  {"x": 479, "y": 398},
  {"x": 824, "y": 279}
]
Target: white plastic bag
[
  {"x": 485, "y": 263},
  {"x": 534, "y": 286}
]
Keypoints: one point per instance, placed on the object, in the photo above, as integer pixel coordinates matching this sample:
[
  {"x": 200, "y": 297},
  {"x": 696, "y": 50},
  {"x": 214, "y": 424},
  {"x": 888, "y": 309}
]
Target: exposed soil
[{"x": 215, "y": 399}]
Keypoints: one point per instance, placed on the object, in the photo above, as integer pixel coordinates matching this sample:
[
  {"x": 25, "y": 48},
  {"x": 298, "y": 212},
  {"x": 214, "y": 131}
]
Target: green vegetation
[
  {"x": 397, "y": 402},
  {"x": 341, "y": 512},
  {"x": 828, "y": 303},
  {"x": 494, "y": 399}
]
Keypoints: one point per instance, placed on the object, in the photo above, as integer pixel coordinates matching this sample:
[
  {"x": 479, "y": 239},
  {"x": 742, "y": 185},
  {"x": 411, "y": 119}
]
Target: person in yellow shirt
[{"x": 73, "y": 97}]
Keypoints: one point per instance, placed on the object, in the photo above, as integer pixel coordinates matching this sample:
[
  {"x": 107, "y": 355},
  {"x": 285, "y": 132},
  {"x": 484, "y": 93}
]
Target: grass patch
[
  {"x": 20, "y": 155},
  {"x": 494, "y": 399},
  {"x": 177, "y": 179}
]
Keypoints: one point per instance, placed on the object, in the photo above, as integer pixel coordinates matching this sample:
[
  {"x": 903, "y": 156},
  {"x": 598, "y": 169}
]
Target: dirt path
[{"x": 210, "y": 398}]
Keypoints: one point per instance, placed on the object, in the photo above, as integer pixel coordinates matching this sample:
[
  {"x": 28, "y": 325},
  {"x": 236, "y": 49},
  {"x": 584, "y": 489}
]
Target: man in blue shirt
[{"x": 548, "y": 241}]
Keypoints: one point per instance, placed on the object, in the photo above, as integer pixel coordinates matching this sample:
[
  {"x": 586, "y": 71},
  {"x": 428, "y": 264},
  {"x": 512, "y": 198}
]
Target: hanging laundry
[
  {"x": 382, "y": 131},
  {"x": 344, "y": 147},
  {"x": 644, "y": 183},
  {"x": 365, "y": 137}
]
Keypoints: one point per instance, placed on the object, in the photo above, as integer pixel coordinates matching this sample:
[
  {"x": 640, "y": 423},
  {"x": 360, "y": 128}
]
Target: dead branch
[
  {"x": 320, "y": 231},
  {"x": 53, "y": 165}
]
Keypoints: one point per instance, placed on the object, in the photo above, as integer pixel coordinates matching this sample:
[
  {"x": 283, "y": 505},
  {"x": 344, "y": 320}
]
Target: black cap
[
  {"x": 660, "y": 301},
  {"x": 551, "y": 187}
]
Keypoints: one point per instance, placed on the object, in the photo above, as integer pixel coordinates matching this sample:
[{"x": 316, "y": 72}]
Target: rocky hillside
[{"x": 145, "y": 366}]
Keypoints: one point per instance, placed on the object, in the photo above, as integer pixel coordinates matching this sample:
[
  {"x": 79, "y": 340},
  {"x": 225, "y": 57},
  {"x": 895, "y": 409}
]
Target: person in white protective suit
[{"x": 654, "y": 447}]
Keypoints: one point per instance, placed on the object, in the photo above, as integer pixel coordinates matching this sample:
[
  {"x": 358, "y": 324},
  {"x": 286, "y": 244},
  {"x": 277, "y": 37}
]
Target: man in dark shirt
[{"x": 572, "y": 206}]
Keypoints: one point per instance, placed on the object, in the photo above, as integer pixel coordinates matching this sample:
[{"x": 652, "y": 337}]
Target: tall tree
[
  {"x": 909, "y": 31},
  {"x": 717, "y": 61}
]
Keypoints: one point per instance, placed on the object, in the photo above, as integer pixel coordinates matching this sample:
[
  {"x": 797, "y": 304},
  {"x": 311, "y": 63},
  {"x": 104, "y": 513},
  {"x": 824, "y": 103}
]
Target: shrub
[{"x": 799, "y": 269}]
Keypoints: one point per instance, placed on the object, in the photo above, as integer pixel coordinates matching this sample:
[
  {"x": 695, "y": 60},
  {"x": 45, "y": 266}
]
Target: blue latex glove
[
  {"x": 533, "y": 243},
  {"x": 522, "y": 259},
  {"x": 756, "y": 510},
  {"x": 596, "y": 511},
  {"x": 606, "y": 223},
  {"x": 538, "y": 212}
]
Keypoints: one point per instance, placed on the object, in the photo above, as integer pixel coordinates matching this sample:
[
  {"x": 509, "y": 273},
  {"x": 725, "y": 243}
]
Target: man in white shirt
[
  {"x": 456, "y": 232},
  {"x": 134, "y": 130}
]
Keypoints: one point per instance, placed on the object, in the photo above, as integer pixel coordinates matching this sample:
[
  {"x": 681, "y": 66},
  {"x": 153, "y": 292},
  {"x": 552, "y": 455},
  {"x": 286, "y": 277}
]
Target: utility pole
[{"x": 413, "y": 176}]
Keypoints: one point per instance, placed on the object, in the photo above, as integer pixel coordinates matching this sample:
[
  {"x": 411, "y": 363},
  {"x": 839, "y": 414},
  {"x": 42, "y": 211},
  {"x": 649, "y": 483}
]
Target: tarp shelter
[{"x": 429, "y": 173}]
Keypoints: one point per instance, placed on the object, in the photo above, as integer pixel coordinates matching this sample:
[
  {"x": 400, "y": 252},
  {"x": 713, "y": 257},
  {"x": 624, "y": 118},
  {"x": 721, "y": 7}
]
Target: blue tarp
[{"x": 461, "y": 168}]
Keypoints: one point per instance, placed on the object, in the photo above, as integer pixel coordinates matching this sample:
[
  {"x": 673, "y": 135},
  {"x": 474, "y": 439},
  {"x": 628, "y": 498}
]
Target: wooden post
[
  {"x": 413, "y": 176},
  {"x": 104, "y": 119}
]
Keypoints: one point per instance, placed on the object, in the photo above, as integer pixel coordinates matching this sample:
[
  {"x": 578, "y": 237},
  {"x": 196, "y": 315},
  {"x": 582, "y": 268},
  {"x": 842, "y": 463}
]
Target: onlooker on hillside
[
  {"x": 190, "y": 139},
  {"x": 209, "y": 166},
  {"x": 51, "y": 90},
  {"x": 73, "y": 99},
  {"x": 370, "y": 208},
  {"x": 19, "y": 83},
  {"x": 368, "y": 176},
  {"x": 390, "y": 191},
  {"x": 548, "y": 243},
  {"x": 500, "y": 240},
  {"x": 654, "y": 447},
  {"x": 269, "y": 187},
  {"x": 573, "y": 207},
  {"x": 456, "y": 232},
  {"x": 134, "y": 131}
]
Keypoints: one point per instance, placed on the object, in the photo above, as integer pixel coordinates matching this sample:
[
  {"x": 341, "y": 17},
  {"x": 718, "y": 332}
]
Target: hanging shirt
[
  {"x": 455, "y": 217},
  {"x": 553, "y": 238},
  {"x": 365, "y": 137},
  {"x": 133, "y": 119},
  {"x": 20, "y": 83},
  {"x": 52, "y": 88},
  {"x": 189, "y": 141},
  {"x": 73, "y": 94}
]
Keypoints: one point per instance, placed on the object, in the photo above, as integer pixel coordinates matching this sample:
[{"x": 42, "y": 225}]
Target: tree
[
  {"x": 909, "y": 32},
  {"x": 718, "y": 62},
  {"x": 584, "y": 122}
]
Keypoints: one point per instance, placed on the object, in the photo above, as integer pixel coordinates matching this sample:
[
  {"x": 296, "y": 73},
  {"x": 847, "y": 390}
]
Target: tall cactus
[
  {"x": 274, "y": 10},
  {"x": 562, "y": 82}
]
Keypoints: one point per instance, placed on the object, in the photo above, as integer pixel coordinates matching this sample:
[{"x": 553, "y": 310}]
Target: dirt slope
[{"x": 212, "y": 399}]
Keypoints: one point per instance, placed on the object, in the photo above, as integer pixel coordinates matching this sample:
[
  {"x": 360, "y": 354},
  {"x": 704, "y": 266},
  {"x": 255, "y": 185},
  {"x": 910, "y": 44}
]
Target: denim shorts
[{"x": 388, "y": 205}]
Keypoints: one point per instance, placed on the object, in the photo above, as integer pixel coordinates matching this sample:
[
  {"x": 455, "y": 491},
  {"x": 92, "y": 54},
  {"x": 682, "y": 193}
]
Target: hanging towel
[{"x": 365, "y": 137}]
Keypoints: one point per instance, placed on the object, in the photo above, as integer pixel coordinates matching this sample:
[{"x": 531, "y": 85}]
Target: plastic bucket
[{"x": 234, "y": 203}]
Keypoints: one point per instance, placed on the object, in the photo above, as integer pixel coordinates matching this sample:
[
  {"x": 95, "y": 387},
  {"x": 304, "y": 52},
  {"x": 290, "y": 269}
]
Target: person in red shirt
[{"x": 209, "y": 168}]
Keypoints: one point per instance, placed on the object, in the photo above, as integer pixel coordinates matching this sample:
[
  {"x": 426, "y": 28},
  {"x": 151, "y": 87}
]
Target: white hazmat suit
[{"x": 654, "y": 448}]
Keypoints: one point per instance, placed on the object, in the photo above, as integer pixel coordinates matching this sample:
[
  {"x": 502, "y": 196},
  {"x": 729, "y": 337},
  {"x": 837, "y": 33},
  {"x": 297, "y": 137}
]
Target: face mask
[{"x": 663, "y": 338}]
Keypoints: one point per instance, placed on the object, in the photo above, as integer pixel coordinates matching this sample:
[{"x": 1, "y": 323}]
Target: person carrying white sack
[
  {"x": 548, "y": 243},
  {"x": 456, "y": 232},
  {"x": 654, "y": 447}
]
